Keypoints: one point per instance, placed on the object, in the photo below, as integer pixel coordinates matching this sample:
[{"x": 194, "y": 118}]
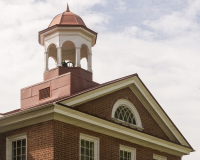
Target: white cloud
[
  {"x": 121, "y": 5},
  {"x": 165, "y": 54}
]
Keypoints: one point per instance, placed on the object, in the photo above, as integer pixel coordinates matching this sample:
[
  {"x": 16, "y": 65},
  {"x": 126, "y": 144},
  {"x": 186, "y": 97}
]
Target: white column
[
  {"x": 78, "y": 57},
  {"x": 89, "y": 63},
  {"x": 59, "y": 56},
  {"x": 46, "y": 60}
]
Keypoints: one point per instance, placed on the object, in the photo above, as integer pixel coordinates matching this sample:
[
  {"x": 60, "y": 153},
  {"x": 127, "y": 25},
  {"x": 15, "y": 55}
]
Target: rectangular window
[
  {"x": 158, "y": 157},
  {"x": 124, "y": 155},
  {"x": 89, "y": 147},
  {"x": 127, "y": 153},
  {"x": 16, "y": 147},
  {"x": 19, "y": 149},
  {"x": 87, "y": 150}
]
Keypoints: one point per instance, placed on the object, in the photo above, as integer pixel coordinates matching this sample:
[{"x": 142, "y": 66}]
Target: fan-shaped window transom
[{"x": 124, "y": 113}]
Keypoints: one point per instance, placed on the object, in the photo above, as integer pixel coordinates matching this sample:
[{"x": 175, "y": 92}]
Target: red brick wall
[
  {"x": 60, "y": 141},
  {"x": 67, "y": 145},
  {"x": 40, "y": 141},
  {"x": 102, "y": 107}
]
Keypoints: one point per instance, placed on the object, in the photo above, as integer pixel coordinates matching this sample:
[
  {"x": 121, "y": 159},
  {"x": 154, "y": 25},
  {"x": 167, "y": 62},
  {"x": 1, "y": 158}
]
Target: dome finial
[{"x": 67, "y": 8}]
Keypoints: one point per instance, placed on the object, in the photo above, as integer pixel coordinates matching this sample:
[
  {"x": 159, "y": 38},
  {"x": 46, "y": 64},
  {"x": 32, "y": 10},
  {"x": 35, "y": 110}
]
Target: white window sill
[{"x": 127, "y": 124}]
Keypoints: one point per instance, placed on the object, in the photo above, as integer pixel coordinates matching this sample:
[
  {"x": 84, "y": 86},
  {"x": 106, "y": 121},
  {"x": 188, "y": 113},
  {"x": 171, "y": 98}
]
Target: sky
[{"x": 159, "y": 40}]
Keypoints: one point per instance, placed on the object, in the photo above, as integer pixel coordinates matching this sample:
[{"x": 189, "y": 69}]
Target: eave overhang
[
  {"x": 60, "y": 27},
  {"x": 69, "y": 115}
]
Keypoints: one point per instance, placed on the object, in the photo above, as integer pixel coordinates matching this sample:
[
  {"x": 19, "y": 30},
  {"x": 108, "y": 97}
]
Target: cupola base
[
  {"x": 58, "y": 83},
  {"x": 55, "y": 72}
]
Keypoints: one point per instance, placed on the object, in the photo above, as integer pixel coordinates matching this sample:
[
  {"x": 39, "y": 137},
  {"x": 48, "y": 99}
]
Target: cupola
[{"x": 67, "y": 39}]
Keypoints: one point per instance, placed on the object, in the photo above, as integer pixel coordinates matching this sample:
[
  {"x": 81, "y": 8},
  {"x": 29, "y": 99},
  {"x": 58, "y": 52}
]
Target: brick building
[{"x": 69, "y": 116}]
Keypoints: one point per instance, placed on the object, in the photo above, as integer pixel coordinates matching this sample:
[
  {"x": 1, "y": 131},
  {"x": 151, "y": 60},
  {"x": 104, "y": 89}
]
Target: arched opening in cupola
[
  {"x": 84, "y": 63},
  {"x": 52, "y": 63},
  {"x": 84, "y": 56},
  {"x": 68, "y": 52},
  {"x": 52, "y": 56}
]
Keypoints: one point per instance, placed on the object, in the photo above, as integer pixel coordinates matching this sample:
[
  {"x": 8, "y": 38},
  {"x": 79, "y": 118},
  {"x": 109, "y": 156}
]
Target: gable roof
[
  {"x": 137, "y": 87},
  {"x": 144, "y": 95}
]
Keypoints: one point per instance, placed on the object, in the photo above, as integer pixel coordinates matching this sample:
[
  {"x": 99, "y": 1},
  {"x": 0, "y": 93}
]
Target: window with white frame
[
  {"x": 89, "y": 147},
  {"x": 125, "y": 112},
  {"x": 127, "y": 153},
  {"x": 158, "y": 157},
  {"x": 16, "y": 147}
]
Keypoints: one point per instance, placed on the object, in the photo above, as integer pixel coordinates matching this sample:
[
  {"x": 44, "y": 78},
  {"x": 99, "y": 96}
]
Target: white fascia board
[
  {"x": 122, "y": 84},
  {"x": 67, "y": 29},
  {"x": 77, "y": 28},
  {"x": 97, "y": 93},
  {"x": 95, "y": 123}
]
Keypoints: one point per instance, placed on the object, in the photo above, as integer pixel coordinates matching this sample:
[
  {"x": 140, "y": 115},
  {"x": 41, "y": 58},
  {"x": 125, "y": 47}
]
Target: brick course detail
[{"x": 60, "y": 141}]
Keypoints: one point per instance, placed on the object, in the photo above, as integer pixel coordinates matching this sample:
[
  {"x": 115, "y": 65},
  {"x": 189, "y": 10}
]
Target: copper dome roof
[{"x": 67, "y": 18}]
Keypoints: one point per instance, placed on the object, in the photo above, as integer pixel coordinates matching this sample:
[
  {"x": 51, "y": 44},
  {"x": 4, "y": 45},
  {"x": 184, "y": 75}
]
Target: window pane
[
  {"x": 125, "y": 118},
  {"x": 18, "y": 151},
  {"x": 18, "y": 157},
  {"x": 23, "y": 150},
  {"x": 82, "y": 151},
  {"x": 116, "y": 114},
  {"x": 92, "y": 145},
  {"x": 120, "y": 116},
  {"x": 121, "y": 153},
  {"x": 14, "y": 152},
  {"x": 129, "y": 120},
  {"x": 87, "y": 158},
  {"x": 23, "y": 157},
  {"x": 129, "y": 155},
  {"x": 82, "y": 158},
  {"x": 125, "y": 154},
  {"x": 19, "y": 143},
  {"x": 24, "y": 142},
  {"x": 82, "y": 142},
  {"x": 14, "y": 144},
  {"x": 87, "y": 144},
  {"x": 87, "y": 152},
  {"x": 92, "y": 153}
]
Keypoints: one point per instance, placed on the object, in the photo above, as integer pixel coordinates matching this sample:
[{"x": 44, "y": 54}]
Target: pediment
[{"x": 142, "y": 93}]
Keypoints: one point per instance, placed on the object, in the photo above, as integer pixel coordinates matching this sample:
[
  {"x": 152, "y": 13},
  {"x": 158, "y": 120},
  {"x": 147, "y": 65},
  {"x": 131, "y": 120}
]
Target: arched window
[{"x": 125, "y": 112}]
